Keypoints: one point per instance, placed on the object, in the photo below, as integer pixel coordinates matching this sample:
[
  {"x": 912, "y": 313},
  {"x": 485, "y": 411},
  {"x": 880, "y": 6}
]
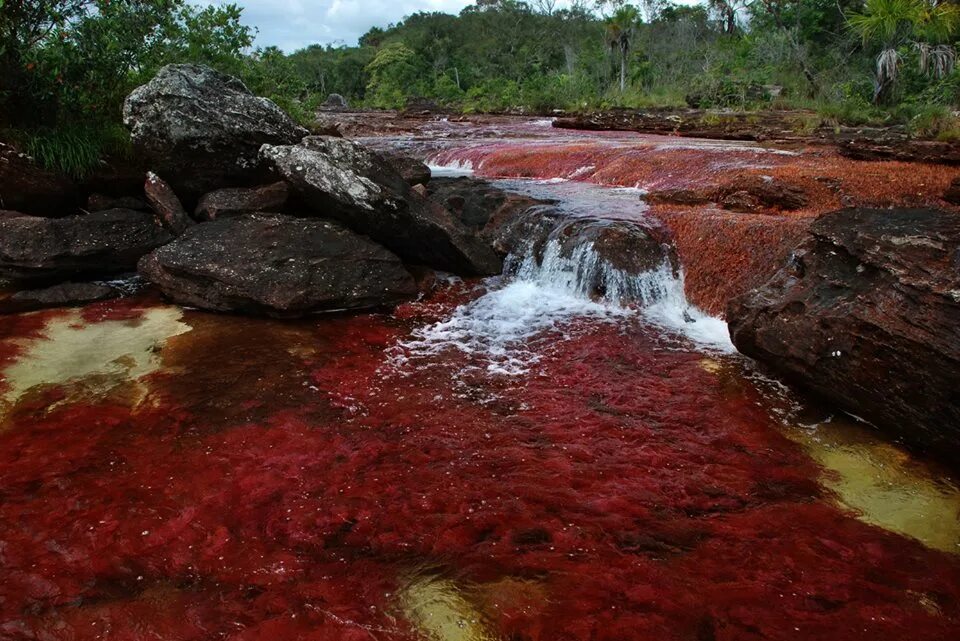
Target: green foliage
[{"x": 73, "y": 150}]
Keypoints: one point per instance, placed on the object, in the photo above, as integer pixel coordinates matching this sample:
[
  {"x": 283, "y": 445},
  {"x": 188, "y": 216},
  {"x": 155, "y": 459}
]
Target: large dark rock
[
  {"x": 410, "y": 169},
  {"x": 62, "y": 295},
  {"x": 277, "y": 265},
  {"x": 201, "y": 129},
  {"x": 224, "y": 203},
  {"x": 26, "y": 187},
  {"x": 106, "y": 242},
  {"x": 867, "y": 314},
  {"x": 166, "y": 205},
  {"x": 345, "y": 181}
]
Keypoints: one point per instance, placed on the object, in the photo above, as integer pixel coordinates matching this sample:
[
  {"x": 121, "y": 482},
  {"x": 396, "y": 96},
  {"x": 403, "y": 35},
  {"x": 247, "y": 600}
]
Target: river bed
[{"x": 506, "y": 459}]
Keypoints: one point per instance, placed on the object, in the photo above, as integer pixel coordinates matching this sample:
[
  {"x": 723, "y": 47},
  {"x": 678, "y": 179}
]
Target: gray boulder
[
  {"x": 202, "y": 129},
  {"x": 342, "y": 180},
  {"x": 277, "y": 265},
  {"x": 105, "y": 242}
]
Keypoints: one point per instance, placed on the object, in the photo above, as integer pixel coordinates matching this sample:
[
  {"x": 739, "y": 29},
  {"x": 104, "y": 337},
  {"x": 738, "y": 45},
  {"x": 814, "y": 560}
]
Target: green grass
[{"x": 74, "y": 150}]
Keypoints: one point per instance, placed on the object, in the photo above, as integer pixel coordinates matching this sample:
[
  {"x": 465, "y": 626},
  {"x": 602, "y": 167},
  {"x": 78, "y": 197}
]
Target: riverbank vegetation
[{"x": 67, "y": 64}]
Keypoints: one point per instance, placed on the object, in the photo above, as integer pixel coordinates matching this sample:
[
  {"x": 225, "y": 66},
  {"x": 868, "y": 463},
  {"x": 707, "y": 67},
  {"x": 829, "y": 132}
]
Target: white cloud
[{"x": 293, "y": 24}]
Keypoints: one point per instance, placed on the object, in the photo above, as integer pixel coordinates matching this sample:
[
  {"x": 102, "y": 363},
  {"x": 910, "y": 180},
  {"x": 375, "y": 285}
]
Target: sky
[{"x": 294, "y": 24}]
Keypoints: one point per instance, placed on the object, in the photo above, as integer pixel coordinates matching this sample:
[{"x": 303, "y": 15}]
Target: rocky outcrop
[
  {"x": 477, "y": 204},
  {"x": 28, "y": 188},
  {"x": 862, "y": 143},
  {"x": 34, "y": 248},
  {"x": 168, "y": 208},
  {"x": 62, "y": 295},
  {"x": 277, "y": 265},
  {"x": 747, "y": 193},
  {"x": 753, "y": 193},
  {"x": 335, "y": 101},
  {"x": 867, "y": 314},
  {"x": 410, "y": 169},
  {"x": 202, "y": 130},
  {"x": 225, "y": 203},
  {"x": 344, "y": 181}
]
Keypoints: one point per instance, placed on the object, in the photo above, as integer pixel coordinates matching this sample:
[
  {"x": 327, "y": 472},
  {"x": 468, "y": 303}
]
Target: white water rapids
[{"x": 500, "y": 328}]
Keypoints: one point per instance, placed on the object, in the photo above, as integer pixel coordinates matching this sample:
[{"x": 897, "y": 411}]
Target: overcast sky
[{"x": 293, "y": 24}]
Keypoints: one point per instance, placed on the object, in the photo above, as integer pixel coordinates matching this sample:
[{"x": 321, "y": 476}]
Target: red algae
[{"x": 620, "y": 491}]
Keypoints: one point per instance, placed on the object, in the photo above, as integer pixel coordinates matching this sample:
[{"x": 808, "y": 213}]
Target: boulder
[
  {"x": 335, "y": 101},
  {"x": 201, "y": 129},
  {"x": 62, "y": 295},
  {"x": 410, "y": 169},
  {"x": 277, "y": 265},
  {"x": 752, "y": 193},
  {"x": 168, "y": 208},
  {"x": 106, "y": 242},
  {"x": 224, "y": 203},
  {"x": 347, "y": 182},
  {"x": 102, "y": 202},
  {"x": 26, "y": 187},
  {"x": 952, "y": 195},
  {"x": 867, "y": 314}
]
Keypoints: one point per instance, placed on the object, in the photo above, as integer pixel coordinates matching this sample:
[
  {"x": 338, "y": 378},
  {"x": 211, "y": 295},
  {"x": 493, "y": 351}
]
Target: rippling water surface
[{"x": 502, "y": 460}]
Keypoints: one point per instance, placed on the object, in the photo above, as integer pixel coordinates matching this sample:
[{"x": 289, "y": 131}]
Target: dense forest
[{"x": 67, "y": 64}]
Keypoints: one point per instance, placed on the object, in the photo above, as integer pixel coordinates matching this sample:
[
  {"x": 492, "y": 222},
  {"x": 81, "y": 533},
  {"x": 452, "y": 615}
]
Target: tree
[
  {"x": 891, "y": 24},
  {"x": 620, "y": 30}
]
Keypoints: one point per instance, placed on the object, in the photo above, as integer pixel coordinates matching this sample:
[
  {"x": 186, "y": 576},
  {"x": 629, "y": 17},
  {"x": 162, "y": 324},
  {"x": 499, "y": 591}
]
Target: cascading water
[{"x": 551, "y": 285}]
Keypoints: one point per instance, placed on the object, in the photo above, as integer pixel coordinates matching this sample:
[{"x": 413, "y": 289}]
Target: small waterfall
[{"x": 564, "y": 282}]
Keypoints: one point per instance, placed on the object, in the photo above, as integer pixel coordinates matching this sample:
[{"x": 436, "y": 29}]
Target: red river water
[{"x": 505, "y": 460}]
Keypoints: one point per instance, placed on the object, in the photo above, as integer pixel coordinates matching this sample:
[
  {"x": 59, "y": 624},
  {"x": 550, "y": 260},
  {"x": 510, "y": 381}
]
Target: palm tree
[
  {"x": 927, "y": 24},
  {"x": 621, "y": 27}
]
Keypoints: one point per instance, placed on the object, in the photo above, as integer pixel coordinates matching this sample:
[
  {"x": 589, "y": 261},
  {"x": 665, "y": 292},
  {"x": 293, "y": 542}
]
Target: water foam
[{"x": 550, "y": 298}]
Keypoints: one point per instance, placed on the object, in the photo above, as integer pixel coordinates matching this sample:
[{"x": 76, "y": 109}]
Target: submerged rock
[
  {"x": 277, "y": 265},
  {"x": 202, "y": 129},
  {"x": 867, "y": 313},
  {"x": 106, "y": 242},
  {"x": 62, "y": 295},
  {"x": 224, "y": 203},
  {"x": 347, "y": 182}
]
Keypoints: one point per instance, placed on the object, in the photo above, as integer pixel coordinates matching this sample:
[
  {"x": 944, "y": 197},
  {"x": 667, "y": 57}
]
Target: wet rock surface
[
  {"x": 747, "y": 193},
  {"x": 201, "y": 129},
  {"x": 344, "y": 181},
  {"x": 224, "y": 203},
  {"x": 60, "y": 295},
  {"x": 861, "y": 143},
  {"x": 410, "y": 169},
  {"x": 277, "y": 265},
  {"x": 34, "y": 248},
  {"x": 867, "y": 314},
  {"x": 166, "y": 205}
]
